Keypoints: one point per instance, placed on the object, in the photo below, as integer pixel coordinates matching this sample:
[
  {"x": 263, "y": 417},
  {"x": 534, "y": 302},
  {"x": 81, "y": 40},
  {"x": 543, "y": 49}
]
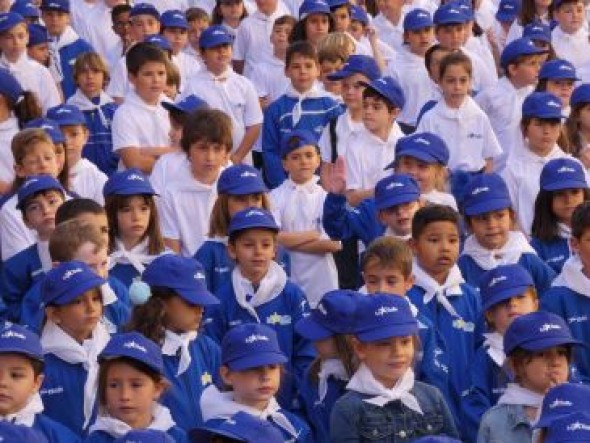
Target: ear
[
  {"x": 53, "y": 314},
  {"x": 409, "y": 282},
  {"x": 38, "y": 382},
  {"x": 358, "y": 348},
  {"x": 575, "y": 244},
  {"x": 381, "y": 217},
  {"x": 160, "y": 387},
  {"x": 86, "y": 134},
  {"x": 413, "y": 246},
  {"x": 231, "y": 250},
  {"x": 131, "y": 77},
  {"x": 225, "y": 374},
  {"x": 19, "y": 171}
]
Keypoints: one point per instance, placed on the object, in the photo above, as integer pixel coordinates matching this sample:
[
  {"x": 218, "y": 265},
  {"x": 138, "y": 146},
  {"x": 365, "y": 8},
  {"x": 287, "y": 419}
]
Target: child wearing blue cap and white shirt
[
  {"x": 130, "y": 385},
  {"x": 240, "y": 427},
  {"x": 507, "y": 12},
  {"x": 252, "y": 365},
  {"x": 570, "y": 37},
  {"x": 38, "y": 46},
  {"x": 169, "y": 312},
  {"x": 578, "y": 123},
  {"x": 385, "y": 403},
  {"x": 558, "y": 77},
  {"x": 538, "y": 349}
]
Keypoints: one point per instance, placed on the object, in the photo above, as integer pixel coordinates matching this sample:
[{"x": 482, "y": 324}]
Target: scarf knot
[
  {"x": 174, "y": 342},
  {"x": 508, "y": 254},
  {"x": 432, "y": 289}
]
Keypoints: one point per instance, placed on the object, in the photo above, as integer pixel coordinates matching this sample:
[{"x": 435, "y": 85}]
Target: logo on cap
[
  {"x": 557, "y": 403},
  {"x": 3, "y": 19},
  {"x": 497, "y": 280},
  {"x": 13, "y": 334},
  {"x": 565, "y": 68},
  {"x": 254, "y": 212},
  {"x": 548, "y": 327},
  {"x": 247, "y": 174},
  {"x": 69, "y": 274},
  {"x": 578, "y": 426},
  {"x": 394, "y": 185},
  {"x": 199, "y": 276},
  {"x": 178, "y": 16},
  {"x": 218, "y": 32},
  {"x": 508, "y": 6},
  {"x": 134, "y": 177},
  {"x": 30, "y": 182},
  {"x": 422, "y": 140},
  {"x": 553, "y": 104},
  {"x": 383, "y": 310},
  {"x": 421, "y": 14},
  {"x": 480, "y": 190},
  {"x": 322, "y": 309},
  {"x": 565, "y": 169},
  {"x": 256, "y": 337},
  {"x": 63, "y": 111},
  {"x": 135, "y": 345},
  {"x": 46, "y": 126}
]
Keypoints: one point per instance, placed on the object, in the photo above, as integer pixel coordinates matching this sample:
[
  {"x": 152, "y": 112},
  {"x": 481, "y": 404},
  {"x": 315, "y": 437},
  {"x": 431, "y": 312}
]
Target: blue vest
[{"x": 68, "y": 55}]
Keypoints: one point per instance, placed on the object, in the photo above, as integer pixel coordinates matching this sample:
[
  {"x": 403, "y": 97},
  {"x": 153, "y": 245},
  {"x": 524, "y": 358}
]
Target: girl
[
  {"x": 531, "y": 11},
  {"x": 315, "y": 22},
  {"x": 385, "y": 403},
  {"x": 563, "y": 188},
  {"x": 506, "y": 15},
  {"x": 130, "y": 383},
  {"x": 540, "y": 34},
  {"x": 578, "y": 124},
  {"x": 171, "y": 317},
  {"x": 538, "y": 348},
  {"x": 229, "y": 13},
  {"x": 134, "y": 235},
  {"x": 252, "y": 363},
  {"x": 558, "y": 77}
]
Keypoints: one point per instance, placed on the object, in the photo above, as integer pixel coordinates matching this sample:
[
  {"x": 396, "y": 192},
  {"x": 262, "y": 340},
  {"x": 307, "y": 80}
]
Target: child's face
[
  {"x": 96, "y": 258},
  {"x": 491, "y": 229},
  {"x": 78, "y": 318},
  {"x": 545, "y": 369},
  {"x": 178, "y": 38},
  {"x": 564, "y": 203},
  {"x": 341, "y": 18},
  {"x": 171, "y": 91},
  {"x": 122, "y": 26},
  {"x": 17, "y": 383},
  {"x": 133, "y": 220},
  {"x": 327, "y": 67},
  {"x": 434, "y": 66},
  {"x": 451, "y": 36},
  {"x": 561, "y": 88},
  {"x": 253, "y": 387},
  {"x": 217, "y": 59},
  {"x": 266, "y": 6},
  {"x": 13, "y": 43},
  {"x": 456, "y": 85},
  {"x": 316, "y": 27},
  {"x": 206, "y": 160},
  {"x": 237, "y": 203},
  {"x": 570, "y": 16},
  {"x": 143, "y": 25},
  {"x": 39, "y": 160},
  {"x": 130, "y": 395},
  {"x": 76, "y": 137},
  {"x": 302, "y": 163},
  {"x": 303, "y": 72},
  {"x": 352, "y": 91},
  {"x": 387, "y": 359},
  {"x": 357, "y": 29},
  {"x": 542, "y": 135},
  {"x": 386, "y": 279},
  {"x": 326, "y": 348},
  {"x": 420, "y": 40},
  {"x": 231, "y": 9},
  {"x": 39, "y": 53},
  {"x": 502, "y": 314},
  {"x": 194, "y": 31},
  {"x": 584, "y": 117},
  {"x": 581, "y": 246},
  {"x": 424, "y": 173},
  {"x": 526, "y": 72},
  {"x": 150, "y": 81},
  {"x": 90, "y": 81},
  {"x": 279, "y": 36},
  {"x": 437, "y": 249},
  {"x": 56, "y": 22},
  {"x": 399, "y": 218},
  {"x": 376, "y": 114},
  {"x": 98, "y": 220},
  {"x": 40, "y": 210},
  {"x": 254, "y": 249},
  {"x": 181, "y": 316}
]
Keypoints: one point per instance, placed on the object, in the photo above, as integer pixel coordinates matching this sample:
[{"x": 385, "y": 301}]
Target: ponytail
[
  {"x": 149, "y": 318},
  {"x": 26, "y": 108}
]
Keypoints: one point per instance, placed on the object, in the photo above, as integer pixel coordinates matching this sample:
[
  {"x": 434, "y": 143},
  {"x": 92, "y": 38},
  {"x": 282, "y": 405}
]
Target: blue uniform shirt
[{"x": 554, "y": 252}]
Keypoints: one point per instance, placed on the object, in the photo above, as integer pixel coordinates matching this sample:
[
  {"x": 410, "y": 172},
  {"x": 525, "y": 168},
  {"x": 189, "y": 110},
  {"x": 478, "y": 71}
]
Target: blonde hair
[
  {"x": 336, "y": 46},
  {"x": 219, "y": 218},
  {"x": 25, "y": 140},
  {"x": 94, "y": 62},
  {"x": 69, "y": 236}
]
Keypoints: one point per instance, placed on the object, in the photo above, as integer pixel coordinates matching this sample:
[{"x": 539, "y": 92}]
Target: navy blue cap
[
  {"x": 16, "y": 339},
  {"x": 145, "y": 436},
  {"x": 129, "y": 182},
  {"x": 11, "y": 433},
  {"x": 558, "y": 69},
  {"x": 240, "y": 180},
  {"x": 417, "y": 19},
  {"x": 174, "y": 18},
  {"x": 296, "y": 139},
  {"x": 543, "y": 105},
  {"x": 572, "y": 428},
  {"x": 242, "y": 427},
  {"x": 382, "y": 316},
  {"x": 37, "y": 34},
  {"x": 252, "y": 218},
  {"x": 357, "y": 64},
  {"x": 309, "y": 7},
  {"x": 184, "y": 275},
  {"x": 394, "y": 190},
  {"x": 187, "y": 105},
  {"x": 466, "y": 7},
  {"x": 135, "y": 346},
  {"x": 50, "y": 127},
  {"x": 335, "y": 4},
  {"x": 251, "y": 345},
  {"x": 486, "y": 193},
  {"x": 562, "y": 400},
  {"x": 537, "y": 331},
  {"x": 437, "y": 439},
  {"x": 66, "y": 115},
  {"x": 449, "y": 14},
  {"x": 502, "y": 283},
  {"x": 508, "y": 10},
  {"x": 25, "y": 8},
  {"x": 537, "y": 31},
  {"x": 580, "y": 95},
  {"x": 34, "y": 184},
  {"x": 359, "y": 14},
  {"x": 389, "y": 88},
  {"x": 215, "y": 35},
  {"x": 10, "y": 87},
  {"x": 144, "y": 9},
  {"x": 158, "y": 41},
  {"x": 556, "y": 4},
  {"x": 424, "y": 146},
  {"x": 563, "y": 173},
  {"x": 9, "y": 20},
  {"x": 334, "y": 314},
  {"x": 67, "y": 281},
  {"x": 56, "y": 5},
  {"x": 519, "y": 47}
]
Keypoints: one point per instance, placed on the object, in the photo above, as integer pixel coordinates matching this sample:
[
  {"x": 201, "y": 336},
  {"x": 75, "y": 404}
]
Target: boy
[
  {"x": 570, "y": 37},
  {"x": 121, "y": 25},
  {"x": 302, "y": 107},
  {"x": 388, "y": 23},
  {"x": 227, "y": 91},
  {"x": 331, "y": 58},
  {"x": 198, "y": 21},
  {"x": 140, "y": 126},
  {"x": 432, "y": 60},
  {"x": 38, "y": 46},
  {"x": 66, "y": 45}
]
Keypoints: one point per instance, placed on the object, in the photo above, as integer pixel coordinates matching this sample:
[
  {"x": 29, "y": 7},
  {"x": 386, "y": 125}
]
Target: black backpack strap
[{"x": 333, "y": 139}]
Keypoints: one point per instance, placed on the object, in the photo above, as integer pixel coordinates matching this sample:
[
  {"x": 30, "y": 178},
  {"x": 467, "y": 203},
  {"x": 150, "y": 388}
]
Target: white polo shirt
[
  {"x": 391, "y": 34},
  {"x": 269, "y": 79},
  {"x": 574, "y": 48},
  {"x": 87, "y": 180},
  {"x": 165, "y": 5},
  {"x": 14, "y": 234},
  {"x": 8, "y": 129},
  {"x": 168, "y": 168},
  {"x": 119, "y": 84},
  {"x": 344, "y": 127}
]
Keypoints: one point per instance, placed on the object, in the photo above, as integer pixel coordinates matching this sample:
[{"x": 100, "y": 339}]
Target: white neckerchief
[
  {"x": 161, "y": 421},
  {"x": 451, "y": 287},
  {"x": 85, "y": 104},
  {"x": 221, "y": 78},
  {"x": 132, "y": 98},
  {"x": 215, "y": 404},
  {"x": 314, "y": 92},
  {"x": 270, "y": 287},
  {"x": 44, "y": 256},
  {"x": 108, "y": 295},
  {"x": 510, "y": 253},
  {"x": 572, "y": 276},
  {"x": 494, "y": 344},
  {"x": 55, "y": 341},
  {"x": 26, "y": 416},
  {"x": 173, "y": 342},
  {"x": 68, "y": 37},
  {"x": 564, "y": 231},
  {"x": 300, "y": 206},
  {"x": 137, "y": 256},
  {"x": 389, "y": 233},
  {"x": 363, "y": 382},
  {"x": 332, "y": 367},
  {"x": 517, "y": 395}
]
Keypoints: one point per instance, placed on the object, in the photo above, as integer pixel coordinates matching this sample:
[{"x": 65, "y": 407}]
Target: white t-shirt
[
  {"x": 269, "y": 79},
  {"x": 87, "y": 180},
  {"x": 344, "y": 127},
  {"x": 574, "y": 48},
  {"x": 8, "y": 129},
  {"x": 173, "y": 166},
  {"x": 14, "y": 234},
  {"x": 119, "y": 84}
]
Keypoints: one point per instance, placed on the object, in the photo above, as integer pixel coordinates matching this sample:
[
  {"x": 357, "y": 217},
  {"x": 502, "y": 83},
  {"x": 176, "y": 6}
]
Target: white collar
[
  {"x": 494, "y": 344},
  {"x": 26, "y": 416},
  {"x": 174, "y": 342},
  {"x": 510, "y": 253},
  {"x": 432, "y": 289},
  {"x": 162, "y": 421},
  {"x": 573, "y": 277},
  {"x": 331, "y": 367},
  {"x": 137, "y": 256},
  {"x": 517, "y": 395}
]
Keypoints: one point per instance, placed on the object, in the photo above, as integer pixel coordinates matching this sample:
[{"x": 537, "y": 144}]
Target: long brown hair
[
  {"x": 345, "y": 354},
  {"x": 220, "y": 218},
  {"x": 149, "y": 318}
]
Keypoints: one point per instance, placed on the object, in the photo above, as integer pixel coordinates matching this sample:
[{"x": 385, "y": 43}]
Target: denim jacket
[
  {"x": 353, "y": 420},
  {"x": 503, "y": 424}
]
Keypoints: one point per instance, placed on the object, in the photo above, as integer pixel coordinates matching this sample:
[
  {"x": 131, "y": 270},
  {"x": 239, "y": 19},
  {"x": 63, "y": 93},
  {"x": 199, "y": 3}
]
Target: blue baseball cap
[
  {"x": 466, "y": 7},
  {"x": 16, "y": 339},
  {"x": 184, "y": 275},
  {"x": 562, "y": 400},
  {"x": 502, "y": 283},
  {"x": 144, "y": 9},
  {"x": 50, "y": 127},
  {"x": 437, "y": 439},
  {"x": 334, "y": 314},
  {"x": 382, "y": 316},
  {"x": 55, "y": 5},
  {"x": 37, "y": 35},
  {"x": 252, "y": 218},
  {"x": 581, "y": 95},
  {"x": 66, "y": 115},
  {"x": 558, "y": 69},
  {"x": 135, "y": 346},
  {"x": 394, "y": 190},
  {"x": 543, "y": 105},
  {"x": 215, "y": 35},
  {"x": 537, "y": 31},
  {"x": 145, "y": 436},
  {"x": 129, "y": 182},
  {"x": 25, "y": 8},
  {"x": 251, "y": 345},
  {"x": 241, "y": 427},
  {"x": 67, "y": 281},
  {"x": 10, "y": 87},
  {"x": 335, "y": 4},
  {"x": 158, "y": 41},
  {"x": 424, "y": 146},
  {"x": 389, "y": 88},
  {"x": 9, "y": 20},
  {"x": 34, "y": 184},
  {"x": 174, "y": 18},
  {"x": 563, "y": 173},
  {"x": 240, "y": 180},
  {"x": 519, "y": 47},
  {"x": 508, "y": 10},
  {"x": 572, "y": 428},
  {"x": 296, "y": 139},
  {"x": 11, "y": 433},
  {"x": 537, "y": 331},
  {"x": 417, "y": 19},
  {"x": 358, "y": 14},
  {"x": 309, "y": 7},
  {"x": 449, "y": 14},
  {"x": 187, "y": 105},
  {"x": 357, "y": 64},
  {"x": 486, "y": 193}
]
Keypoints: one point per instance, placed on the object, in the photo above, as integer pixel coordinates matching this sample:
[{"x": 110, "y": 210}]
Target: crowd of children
[{"x": 305, "y": 221}]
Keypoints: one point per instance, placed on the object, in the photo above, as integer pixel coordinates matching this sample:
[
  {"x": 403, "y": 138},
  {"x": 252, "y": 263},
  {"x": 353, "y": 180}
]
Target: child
[
  {"x": 134, "y": 235},
  {"x": 72, "y": 338},
  {"x": 252, "y": 362},
  {"x": 121, "y": 26},
  {"x": 276, "y": 302},
  {"x": 315, "y": 23},
  {"x": 531, "y": 12},
  {"x": 567, "y": 297},
  {"x": 240, "y": 427},
  {"x": 91, "y": 75},
  {"x": 540, "y": 126},
  {"x": 490, "y": 217},
  {"x": 506, "y": 14},
  {"x": 558, "y": 77},
  {"x": 224, "y": 89},
  {"x": 230, "y": 14},
  {"x": 171, "y": 317},
  {"x": 388, "y": 24},
  {"x": 21, "y": 366},
  {"x": 385, "y": 401},
  {"x": 131, "y": 381},
  {"x": 198, "y": 20},
  {"x": 38, "y": 46},
  {"x": 333, "y": 52},
  {"x": 563, "y": 188},
  {"x": 570, "y": 37},
  {"x": 538, "y": 348},
  {"x": 578, "y": 124},
  {"x": 301, "y": 107},
  {"x": 298, "y": 204}
]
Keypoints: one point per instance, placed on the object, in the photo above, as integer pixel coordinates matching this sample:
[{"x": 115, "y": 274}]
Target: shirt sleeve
[
  {"x": 124, "y": 132},
  {"x": 253, "y": 112}
]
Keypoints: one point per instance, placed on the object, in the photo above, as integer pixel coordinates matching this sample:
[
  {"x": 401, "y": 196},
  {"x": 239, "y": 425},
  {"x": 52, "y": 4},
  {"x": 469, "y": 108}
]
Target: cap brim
[
  {"x": 244, "y": 190},
  {"x": 198, "y": 298},
  {"x": 339, "y": 75},
  {"x": 383, "y": 332},
  {"x": 566, "y": 184},
  {"x": 20, "y": 350},
  {"x": 256, "y": 360},
  {"x": 216, "y": 43},
  {"x": 545, "y": 422},
  {"x": 310, "y": 329},
  {"x": 539, "y": 344},
  {"x": 395, "y": 200},
  {"x": 501, "y": 296},
  {"x": 80, "y": 289},
  {"x": 169, "y": 106},
  {"x": 488, "y": 206},
  {"x": 420, "y": 155},
  {"x": 547, "y": 116}
]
